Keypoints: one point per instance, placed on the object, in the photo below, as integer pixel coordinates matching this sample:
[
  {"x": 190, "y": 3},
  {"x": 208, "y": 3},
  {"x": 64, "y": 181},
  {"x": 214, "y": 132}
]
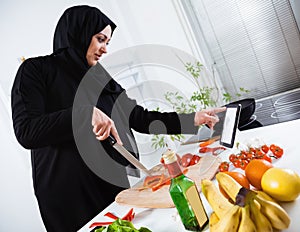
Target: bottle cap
[{"x": 169, "y": 157}]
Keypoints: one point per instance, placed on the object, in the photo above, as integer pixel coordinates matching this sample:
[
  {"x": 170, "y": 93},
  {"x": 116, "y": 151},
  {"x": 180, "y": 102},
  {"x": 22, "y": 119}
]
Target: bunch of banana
[
  {"x": 258, "y": 213},
  {"x": 226, "y": 216}
]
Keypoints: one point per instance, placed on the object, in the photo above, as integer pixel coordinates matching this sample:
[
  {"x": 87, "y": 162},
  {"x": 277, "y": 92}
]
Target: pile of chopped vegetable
[{"x": 120, "y": 225}]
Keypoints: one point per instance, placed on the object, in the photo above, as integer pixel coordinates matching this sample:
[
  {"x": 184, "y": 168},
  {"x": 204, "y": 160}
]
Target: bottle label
[{"x": 194, "y": 199}]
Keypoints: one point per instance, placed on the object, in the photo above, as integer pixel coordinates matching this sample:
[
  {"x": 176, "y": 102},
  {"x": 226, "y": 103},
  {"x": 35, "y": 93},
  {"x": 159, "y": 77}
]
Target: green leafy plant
[{"x": 203, "y": 98}]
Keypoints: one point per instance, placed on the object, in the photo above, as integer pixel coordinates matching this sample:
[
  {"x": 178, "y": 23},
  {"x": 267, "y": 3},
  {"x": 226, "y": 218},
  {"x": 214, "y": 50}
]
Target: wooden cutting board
[{"x": 206, "y": 168}]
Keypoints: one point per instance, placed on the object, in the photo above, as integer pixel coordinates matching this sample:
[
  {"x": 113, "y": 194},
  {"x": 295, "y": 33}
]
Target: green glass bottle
[{"x": 185, "y": 195}]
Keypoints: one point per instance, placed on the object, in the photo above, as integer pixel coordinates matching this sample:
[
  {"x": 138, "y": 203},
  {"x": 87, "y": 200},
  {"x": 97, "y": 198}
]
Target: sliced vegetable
[
  {"x": 186, "y": 159},
  {"x": 128, "y": 217},
  {"x": 156, "y": 182},
  {"x": 208, "y": 142},
  {"x": 120, "y": 225},
  {"x": 195, "y": 160},
  {"x": 213, "y": 150}
]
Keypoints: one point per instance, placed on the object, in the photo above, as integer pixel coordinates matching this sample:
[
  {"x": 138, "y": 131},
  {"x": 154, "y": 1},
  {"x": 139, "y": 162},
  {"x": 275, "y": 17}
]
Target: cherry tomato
[
  {"x": 243, "y": 156},
  {"x": 224, "y": 166},
  {"x": 252, "y": 150},
  {"x": 267, "y": 158},
  {"x": 232, "y": 158},
  {"x": 278, "y": 152},
  {"x": 272, "y": 147},
  {"x": 236, "y": 163},
  {"x": 265, "y": 148},
  {"x": 249, "y": 156},
  {"x": 259, "y": 154},
  {"x": 243, "y": 164}
]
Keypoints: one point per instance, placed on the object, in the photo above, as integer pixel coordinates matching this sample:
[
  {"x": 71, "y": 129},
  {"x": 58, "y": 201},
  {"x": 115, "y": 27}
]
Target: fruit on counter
[
  {"x": 257, "y": 210},
  {"x": 277, "y": 216},
  {"x": 238, "y": 177},
  {"x": 217, "y": 201},
  {"x": 260, "y": 220},
  {"x": 246, "y": 223},
  {"x": 245, "y": 154},
  {"x": 281, "y": 183},
  {"x": 255, "y": 170},
  {"x": 274, "y": 212},
  {"x": 213, "y": 219},
  {"x": 229, "y": 222},
  {"x": 276, "y": 150},
  {"x": 224, "y": 166},
  {"x": 229, "y": 185}
]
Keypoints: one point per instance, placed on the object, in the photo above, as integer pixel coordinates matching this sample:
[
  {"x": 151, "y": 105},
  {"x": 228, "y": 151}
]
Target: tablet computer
[{"x": 230, "y": 124}]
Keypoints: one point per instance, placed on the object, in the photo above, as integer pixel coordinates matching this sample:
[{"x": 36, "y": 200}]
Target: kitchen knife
[{"x": 127, "y": 155}]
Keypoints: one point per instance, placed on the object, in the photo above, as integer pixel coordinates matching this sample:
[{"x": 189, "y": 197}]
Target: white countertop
[{"x": 163, "y": 220}]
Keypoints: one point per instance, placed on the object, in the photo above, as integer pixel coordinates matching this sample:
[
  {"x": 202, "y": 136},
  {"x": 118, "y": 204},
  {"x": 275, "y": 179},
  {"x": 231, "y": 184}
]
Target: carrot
[{"x": 208, "y": 142}]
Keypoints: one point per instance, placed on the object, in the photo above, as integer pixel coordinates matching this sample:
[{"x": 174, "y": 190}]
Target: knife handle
[{"x": 112, "y": 140}]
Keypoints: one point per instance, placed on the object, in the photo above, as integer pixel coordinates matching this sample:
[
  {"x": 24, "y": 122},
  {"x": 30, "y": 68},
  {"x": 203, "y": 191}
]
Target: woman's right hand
[{"x": 103, "y": 126}]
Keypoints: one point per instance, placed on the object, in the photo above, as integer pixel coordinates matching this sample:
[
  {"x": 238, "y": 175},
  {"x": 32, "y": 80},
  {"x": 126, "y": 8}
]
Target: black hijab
[
  {"x": 74, "y": 32},
  {"x": 77, "y": 26},
  {"x": 75, "y": 29}
]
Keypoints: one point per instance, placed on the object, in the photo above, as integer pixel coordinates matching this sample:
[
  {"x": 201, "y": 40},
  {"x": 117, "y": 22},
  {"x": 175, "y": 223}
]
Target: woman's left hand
[{"x": 208, "y": 117}]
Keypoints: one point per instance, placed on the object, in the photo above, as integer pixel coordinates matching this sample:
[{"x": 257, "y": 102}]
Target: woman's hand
[
  {"x": 103, "y": 126},
  {"x": 208, "y": 117}
]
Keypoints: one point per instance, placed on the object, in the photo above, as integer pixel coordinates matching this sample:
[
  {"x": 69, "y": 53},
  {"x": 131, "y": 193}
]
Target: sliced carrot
[{"x": 208, "y": 142}]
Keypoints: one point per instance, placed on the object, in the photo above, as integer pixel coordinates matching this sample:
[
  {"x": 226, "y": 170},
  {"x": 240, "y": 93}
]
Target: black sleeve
[
  {"x": 33, "y": 126},
  {"x": 153, "y": 122}
]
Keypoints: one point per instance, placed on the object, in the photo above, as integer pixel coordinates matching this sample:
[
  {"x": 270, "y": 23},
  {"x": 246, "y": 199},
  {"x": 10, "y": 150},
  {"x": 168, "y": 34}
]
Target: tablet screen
[{"x": 230, "y": 125}]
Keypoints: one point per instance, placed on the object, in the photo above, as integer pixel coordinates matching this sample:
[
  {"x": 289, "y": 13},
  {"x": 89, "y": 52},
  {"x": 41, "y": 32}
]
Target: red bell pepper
[{"x": 128, "y": 217}]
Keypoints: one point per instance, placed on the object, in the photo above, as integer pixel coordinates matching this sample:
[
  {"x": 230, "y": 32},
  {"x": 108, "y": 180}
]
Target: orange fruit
[
  {"x": 255, "y": 170},
  {"x": 240, "y": 178}
]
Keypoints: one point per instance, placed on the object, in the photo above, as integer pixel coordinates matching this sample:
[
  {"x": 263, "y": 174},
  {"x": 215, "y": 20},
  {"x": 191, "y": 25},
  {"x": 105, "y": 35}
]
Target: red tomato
[
  {"x": 243, "y": 164},
  {"x": 278, "y": 152},
  {"x": 272, "y": 147},
  {"x": 224, "y": 166},
  {"x": 162, "y": 161},
  {"x": 232, "y": 158},
  {"x": 195, "y": 160},
  {"x": 186, "y": 159},
  {"x": 267, "y": 158},
  {"x": 265, "y": 148}
]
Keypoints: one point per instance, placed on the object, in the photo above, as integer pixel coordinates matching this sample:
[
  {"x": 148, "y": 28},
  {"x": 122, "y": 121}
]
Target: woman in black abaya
[{"x": 70, "y": 192}]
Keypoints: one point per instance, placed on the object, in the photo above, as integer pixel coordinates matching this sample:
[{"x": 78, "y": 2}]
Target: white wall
[
  {"x": 27, "y": 30},
  {"x": 18, "y": 207}
]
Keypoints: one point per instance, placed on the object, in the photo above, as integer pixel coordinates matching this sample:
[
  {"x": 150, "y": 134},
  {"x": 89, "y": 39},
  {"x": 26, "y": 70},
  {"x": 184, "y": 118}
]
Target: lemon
[{"x": 281, "y": 183}]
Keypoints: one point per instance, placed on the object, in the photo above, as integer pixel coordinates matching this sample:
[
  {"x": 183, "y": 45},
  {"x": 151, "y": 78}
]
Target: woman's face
[{"x": 98, "y": 46}]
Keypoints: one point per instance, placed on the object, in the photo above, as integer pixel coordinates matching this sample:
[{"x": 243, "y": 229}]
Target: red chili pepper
[
  {"x": 129, "y": 217},
  {"x": 111, "y": 215},
  {"x": 100, "y": 224}
]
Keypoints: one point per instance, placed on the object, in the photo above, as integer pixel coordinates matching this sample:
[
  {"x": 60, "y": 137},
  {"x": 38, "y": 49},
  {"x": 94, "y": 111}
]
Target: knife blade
[{"x": 127, "y": 155}]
